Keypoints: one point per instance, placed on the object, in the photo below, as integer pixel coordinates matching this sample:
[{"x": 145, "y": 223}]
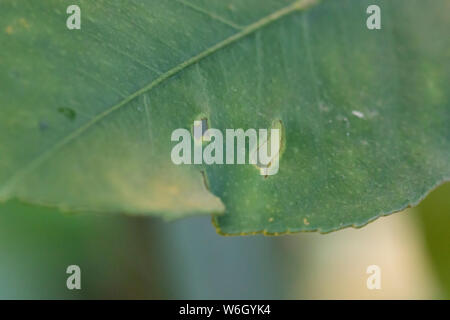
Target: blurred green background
[{"x": 124, "y": 257}]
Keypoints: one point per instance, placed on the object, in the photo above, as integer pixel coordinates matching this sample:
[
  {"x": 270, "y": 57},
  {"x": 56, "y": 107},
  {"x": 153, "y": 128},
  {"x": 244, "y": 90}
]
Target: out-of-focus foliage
[
  {"x": 435, "y": 219},
  {"x": 128, "y": 257},
  {"x": 114, "y": 253}
]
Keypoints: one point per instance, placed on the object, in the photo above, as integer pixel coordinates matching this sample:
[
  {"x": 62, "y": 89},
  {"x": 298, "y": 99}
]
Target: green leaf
[{"x": 87, "y": 115}]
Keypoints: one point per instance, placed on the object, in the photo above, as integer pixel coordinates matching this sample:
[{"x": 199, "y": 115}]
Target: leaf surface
[{"x": 87, "y": 115}]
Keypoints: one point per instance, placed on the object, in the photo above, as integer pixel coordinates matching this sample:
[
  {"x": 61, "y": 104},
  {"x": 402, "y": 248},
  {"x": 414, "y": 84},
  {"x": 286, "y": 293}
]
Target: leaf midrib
[{"x": 299, "y": 5}]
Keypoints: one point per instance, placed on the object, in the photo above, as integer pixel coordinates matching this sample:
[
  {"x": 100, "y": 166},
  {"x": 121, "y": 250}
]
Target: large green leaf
[{"x": 87, "y": 115}]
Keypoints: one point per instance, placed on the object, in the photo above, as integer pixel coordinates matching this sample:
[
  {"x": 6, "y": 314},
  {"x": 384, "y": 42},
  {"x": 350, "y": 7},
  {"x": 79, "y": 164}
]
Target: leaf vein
[
  {"x": 299, "y": 5},
  {"x": 210, "y": 14}
]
